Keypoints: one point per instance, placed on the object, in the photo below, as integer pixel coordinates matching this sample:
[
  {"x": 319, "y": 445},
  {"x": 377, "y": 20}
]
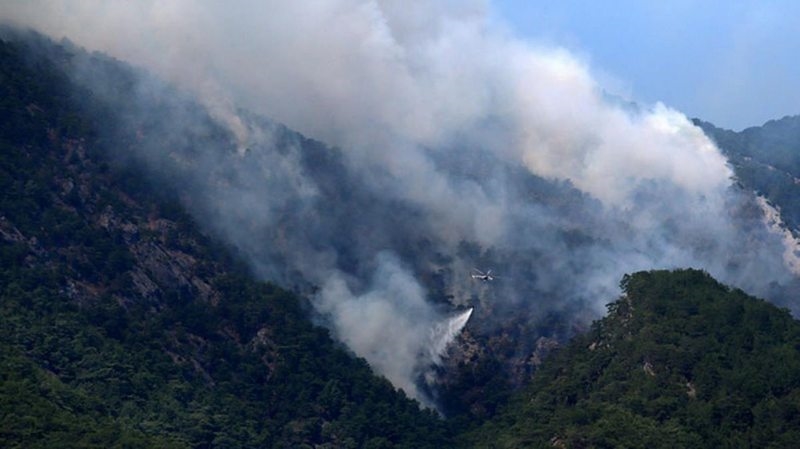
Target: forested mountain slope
[
  {"x": 124, "y": 326},
  {"x": 766, "y": 159},
  {"x": 680, "y": 361},
  {"x": 293, "y": 209}
]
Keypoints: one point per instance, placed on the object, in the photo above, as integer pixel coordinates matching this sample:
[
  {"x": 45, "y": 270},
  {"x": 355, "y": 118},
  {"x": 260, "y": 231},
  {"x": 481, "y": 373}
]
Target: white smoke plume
[
  {"x": 392, "y": 313},
  {"x": 460, "y": 144},
  {"x": 395, "y": 76}
]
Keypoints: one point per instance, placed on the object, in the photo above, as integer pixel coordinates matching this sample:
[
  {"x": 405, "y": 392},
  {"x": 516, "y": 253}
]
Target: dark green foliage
[
  {"x": 61, "y": 380},
  {"x": 680, "y": 361},
  {"x": 122, "y": 326}
]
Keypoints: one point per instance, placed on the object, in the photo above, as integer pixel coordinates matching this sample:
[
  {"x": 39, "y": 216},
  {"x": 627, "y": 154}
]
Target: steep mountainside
[
  {"x": 767, "y": 160},
  {"x": 124, "y": 322},
  {"x": 680, "y": 361},
  {"x": 121, "y": 325},
  {"x": 294, "y": 210}
]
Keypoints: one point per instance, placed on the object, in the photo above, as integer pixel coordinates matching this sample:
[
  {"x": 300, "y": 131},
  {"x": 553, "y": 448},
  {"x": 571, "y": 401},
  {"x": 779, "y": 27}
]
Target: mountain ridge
[
  {"x": 765, "y": 159},
  {"x": 126, "y": 323},
  {"x": 679, "y": 361}
]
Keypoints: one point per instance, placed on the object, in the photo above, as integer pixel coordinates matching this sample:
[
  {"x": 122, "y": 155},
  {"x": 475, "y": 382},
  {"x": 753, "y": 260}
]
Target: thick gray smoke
[{"x": 460, "y": 147}]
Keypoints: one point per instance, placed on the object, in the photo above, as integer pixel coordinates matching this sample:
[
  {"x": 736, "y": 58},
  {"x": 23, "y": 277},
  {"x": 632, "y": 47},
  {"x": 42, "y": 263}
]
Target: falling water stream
[{"x": 445, "y": 332}]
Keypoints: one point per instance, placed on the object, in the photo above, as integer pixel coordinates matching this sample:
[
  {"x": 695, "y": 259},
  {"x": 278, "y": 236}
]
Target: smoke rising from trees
[{"x": 457, "y": 145}]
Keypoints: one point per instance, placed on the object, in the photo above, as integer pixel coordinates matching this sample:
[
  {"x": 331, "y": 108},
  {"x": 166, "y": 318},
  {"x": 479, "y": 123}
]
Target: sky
[{"x": 733, "y": 63}]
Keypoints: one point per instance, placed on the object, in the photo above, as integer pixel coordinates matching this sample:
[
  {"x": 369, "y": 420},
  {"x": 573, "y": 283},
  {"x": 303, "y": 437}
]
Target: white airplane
[{"x": 485, "y": 277}]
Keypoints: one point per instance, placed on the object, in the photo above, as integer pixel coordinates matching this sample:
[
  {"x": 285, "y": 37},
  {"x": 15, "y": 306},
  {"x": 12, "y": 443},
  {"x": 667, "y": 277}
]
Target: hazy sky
[{"x": 734, "y": 63}]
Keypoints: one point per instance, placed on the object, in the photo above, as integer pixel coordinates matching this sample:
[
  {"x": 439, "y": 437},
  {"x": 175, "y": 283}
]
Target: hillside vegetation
[
  {"x": 121, "y": 325},
  {"x": 766, "y": 159},
  {"x": 124, "y": 324},
  {"x": 680, "y": 361}
]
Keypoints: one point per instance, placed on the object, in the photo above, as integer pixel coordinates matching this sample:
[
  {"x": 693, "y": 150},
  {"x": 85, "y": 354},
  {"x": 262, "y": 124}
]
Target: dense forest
[
  {"x": 125, "y": 324},
  {"x": 680, "y": 361}
]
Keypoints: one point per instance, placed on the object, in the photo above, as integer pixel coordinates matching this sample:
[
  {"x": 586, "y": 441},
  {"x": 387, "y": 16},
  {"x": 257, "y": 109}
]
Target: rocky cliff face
[{"x": 153, "y": 254}]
